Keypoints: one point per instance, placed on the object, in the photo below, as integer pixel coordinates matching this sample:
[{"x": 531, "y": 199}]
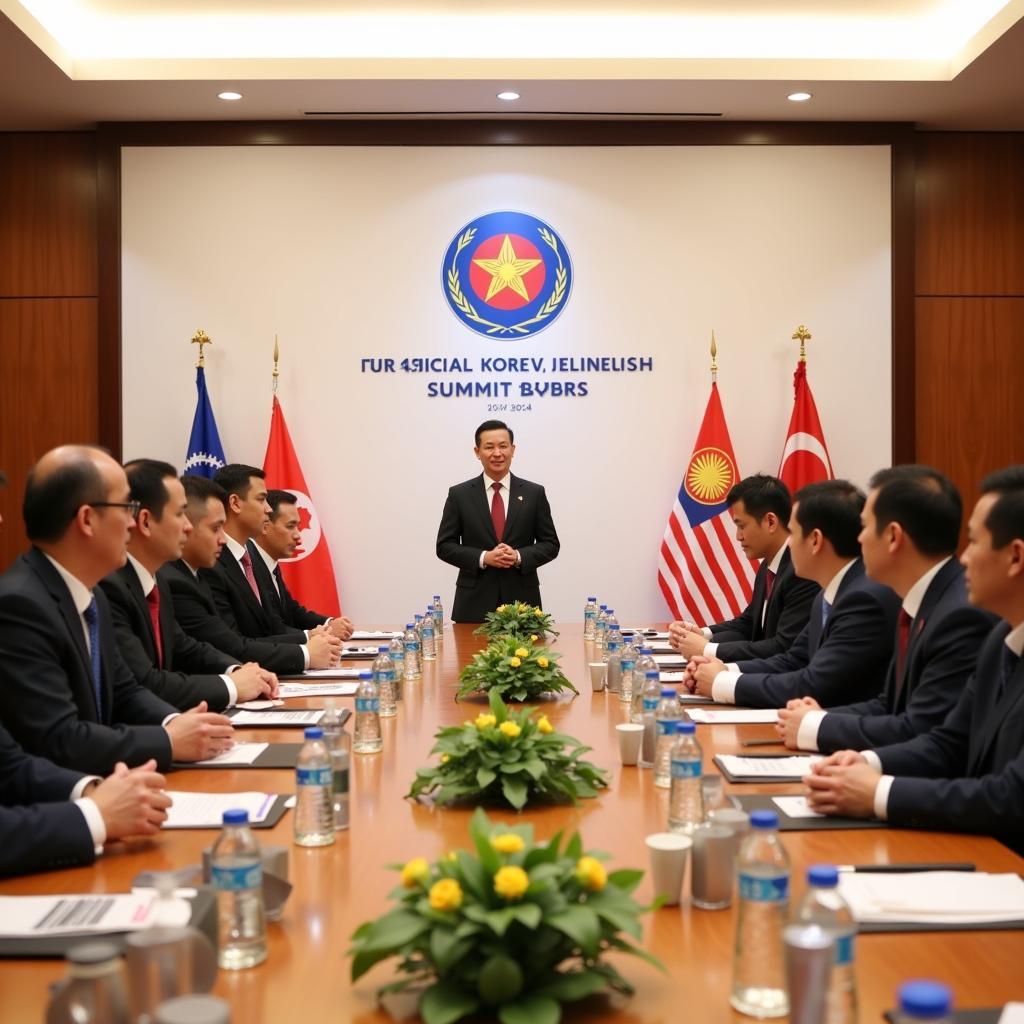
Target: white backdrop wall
[{"x": 339, "y": 251}]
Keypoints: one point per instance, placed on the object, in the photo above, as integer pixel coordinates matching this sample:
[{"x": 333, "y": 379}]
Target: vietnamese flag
[{"x": 309, "y": 574}]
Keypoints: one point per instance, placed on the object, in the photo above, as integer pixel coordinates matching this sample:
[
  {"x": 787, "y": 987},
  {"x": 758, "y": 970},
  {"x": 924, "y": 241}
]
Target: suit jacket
[
  {"x": 788, "y": 609},
  {"x": 46, "y": 691},
  {"x": 279, "y": 600},
  {"x": 197, "y": 614},
  {"x": 40, "y": 829},
  {"x": 466, "y": 531},
  {"x": 967, "y": 775},
  {"x": 191, "y": 669},
  {"x": 945, "y": 637},
  {"x": 839, "y": 663}
]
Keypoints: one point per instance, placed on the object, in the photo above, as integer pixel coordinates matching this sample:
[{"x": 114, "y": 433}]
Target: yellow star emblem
[{"x": 507, "y": 271}]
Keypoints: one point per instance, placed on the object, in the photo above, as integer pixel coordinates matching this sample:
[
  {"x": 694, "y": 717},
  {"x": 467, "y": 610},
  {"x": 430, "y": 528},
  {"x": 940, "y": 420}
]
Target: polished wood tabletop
[{"x": 338, "y": 887}]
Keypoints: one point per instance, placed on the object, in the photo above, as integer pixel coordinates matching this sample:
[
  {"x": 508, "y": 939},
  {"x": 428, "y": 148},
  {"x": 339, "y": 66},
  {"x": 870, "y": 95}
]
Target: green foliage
[
  {"x": 515, "y": 669},
  {"x": 517, "y": 619}
]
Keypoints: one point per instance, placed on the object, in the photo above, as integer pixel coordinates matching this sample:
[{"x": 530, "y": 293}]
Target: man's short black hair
[
  {"x": 924, "y": 502},
  {"x": 198, "y": 490},
  {"x": 1005, "y": 519},
  {"x": 51, "y": 503},
  {"x": 146, "y": 479},
  {"x": 762, "y": 494},
  {"x": 493, "y": 425},
  {"x": 235, "y": 477},
  {"x": 834, "y": 507},
  {"x": 276, "y": 498}
]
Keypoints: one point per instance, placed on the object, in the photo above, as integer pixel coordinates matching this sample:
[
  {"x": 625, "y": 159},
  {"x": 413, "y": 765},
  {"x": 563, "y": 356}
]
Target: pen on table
[
  {"x": 761, "y": 743},
  {"x": 902, "y": 868}
]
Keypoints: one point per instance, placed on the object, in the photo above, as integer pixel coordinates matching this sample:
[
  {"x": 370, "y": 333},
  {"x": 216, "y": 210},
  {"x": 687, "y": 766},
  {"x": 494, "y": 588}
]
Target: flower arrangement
[
  {"x": 516, "y": 619},
  {"x": 508, "y": 755},
  {"x": 515, "y": 669},
  {"x": 515, "y": 929}
]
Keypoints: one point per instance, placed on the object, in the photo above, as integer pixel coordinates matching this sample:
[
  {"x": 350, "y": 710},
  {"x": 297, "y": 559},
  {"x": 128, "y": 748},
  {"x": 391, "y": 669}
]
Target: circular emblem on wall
[
  {"x": 709, "y": 476},
  {"x": 507, "y": 275}
]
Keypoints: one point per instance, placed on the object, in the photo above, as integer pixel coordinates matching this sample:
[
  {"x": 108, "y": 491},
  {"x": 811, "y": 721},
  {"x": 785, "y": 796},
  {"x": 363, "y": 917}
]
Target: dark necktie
[
  {"x": 92, "y": 620},
  {"x": 278, "y": 579},
  {"x": 826, "y": 608},
  {"x": 497, "y": 511},
  {"x": 769, "y": 585},
  {"x": 246, "y": 562},
  {"x": 902, "y": 642},
  {"x": 153, "y": 600},
  {"x": 1007, "y": 666}
]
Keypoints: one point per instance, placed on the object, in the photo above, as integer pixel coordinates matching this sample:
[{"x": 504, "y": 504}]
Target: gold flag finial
[
  {"x": 714, "y": 358},
  {"x": 277, "y": 359},
  {"x": 803, "y": 336},
  {"x": 201, "y": 338}
]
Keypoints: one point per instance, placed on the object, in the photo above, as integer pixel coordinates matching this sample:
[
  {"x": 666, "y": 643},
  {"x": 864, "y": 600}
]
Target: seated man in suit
[
  {"x": 497, "y": 530},
  {"x": 194, "y": 605},
  {"x": 842, "y": 653},
  {"x": 909, "y": 537},
  {"x": 278, "y": 540},
  {"x": 760, "y": 507},
  {"x": 65, "y": 691},
  {"x": 160, "y": 654},
  {"x": 966, "y": 775}
]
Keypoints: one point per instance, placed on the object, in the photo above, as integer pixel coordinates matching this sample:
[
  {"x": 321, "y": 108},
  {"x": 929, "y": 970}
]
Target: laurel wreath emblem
[{"x": 469, "y": 311}]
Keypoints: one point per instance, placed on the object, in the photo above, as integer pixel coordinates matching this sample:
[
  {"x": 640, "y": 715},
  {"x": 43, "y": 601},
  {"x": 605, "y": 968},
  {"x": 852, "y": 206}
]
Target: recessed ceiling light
[
  {"x": 229, "y": 95},
  {"x": 508, "y": 95},
  {"x": 799, "y": 97}
]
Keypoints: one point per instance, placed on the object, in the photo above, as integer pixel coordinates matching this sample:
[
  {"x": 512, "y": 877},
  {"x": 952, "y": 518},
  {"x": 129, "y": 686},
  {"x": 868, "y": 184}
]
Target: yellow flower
[
  {"x": 445, "y": 758},
  {"x": 534, "y": 638},
  {"x": 502, "y": 607},
  {"x": 416, "y": 872},
  {"x": 543, "y": 725},
  {"x": 538, "y": 612},
  {"x": 485, "y": 721},
  {"x": 515, "y": 662},
  {"x": 510, "y": 882},
  {"x": 446, "y": 894},
  {"x": 450, "y": 857},
  {"x": 590, "y": 873},
  {"x": 509, "y": 729},
  {"x": 509, "y": 842},
  {"x": 522, "y": 652},
  {"x": 543, "y": 662}
]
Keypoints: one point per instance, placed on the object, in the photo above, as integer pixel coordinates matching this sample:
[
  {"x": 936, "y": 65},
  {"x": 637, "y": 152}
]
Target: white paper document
[
  {"x": 671, "y": 677},
  {"x": 30, "y": 916},
  {"x": 769, "y": 767},
  {"x": 669, "y": 659},
  {"x": 714, "y": 716},
  {"x": 795, "y": 807},
  {"x": 240, "y": 753},
  {"x": 1013, "y": 1013},
  {"x": 375, "y": 634},
  {"x": 662, "y": 647},
  {"x": 206, "y": 810},
  {"x": 329, "y": 673},
  {"x": 258, "y": 705},
  {"x": 652, "y": 635},
  {"x": 309, "y": 716},
  {"x": 358, "y": 652},
  {"x": 934, "y": 897},
  {"x": 290, "y": 690}
]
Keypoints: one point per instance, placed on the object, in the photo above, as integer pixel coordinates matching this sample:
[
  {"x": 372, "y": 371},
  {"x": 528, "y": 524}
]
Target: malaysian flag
[{"x": 701, "y": 570}]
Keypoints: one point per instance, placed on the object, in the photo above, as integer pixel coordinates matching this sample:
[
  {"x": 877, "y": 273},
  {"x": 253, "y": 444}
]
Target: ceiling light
[
  {"x": 508, "y": 95},
  {"x": 799, "y": 97},
  {"x": 229, "y": 95}
]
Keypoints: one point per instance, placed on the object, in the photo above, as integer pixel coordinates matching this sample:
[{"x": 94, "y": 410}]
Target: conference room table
[{"x": 306, "y": 975}]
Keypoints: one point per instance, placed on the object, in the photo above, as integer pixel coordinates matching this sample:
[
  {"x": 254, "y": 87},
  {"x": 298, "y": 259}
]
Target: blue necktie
[
  {"x": 1007, "y": 667},
  {"x": 92, "y": 620},
  {"x": 825, "y": 609}
]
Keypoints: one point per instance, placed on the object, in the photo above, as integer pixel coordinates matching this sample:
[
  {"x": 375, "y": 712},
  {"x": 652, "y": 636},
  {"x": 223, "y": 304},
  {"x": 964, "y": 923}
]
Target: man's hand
[
  {"x": 253, "y": 682},
  {"x": 680, "y": 630},
  {"x": 840, "y": 759},
  {"x": 847, "y": 790},
  {"x": 690, "y": 673},
  {"x": 690, "y": 645},
  {"x": 501, "y": 557},
  {"x": 132, "y": 803},
  {"x": 790, "y": 717},
  {"x": 341, "y": 627},
  {"x": 198, "y": 734},
  {"x": 324, "y": 650},
  {"x": 704, "y": 673}
]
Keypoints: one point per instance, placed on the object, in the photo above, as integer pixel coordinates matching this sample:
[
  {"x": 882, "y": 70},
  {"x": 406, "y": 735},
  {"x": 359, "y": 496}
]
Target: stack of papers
[
  {"x": 663, "y": 647},
  {"x": 289, "y": 690},
  {"x": 671, "y": 677},
  {"x": 795, "y": 807},
  {"x": 330, "y": 673},
  {"x": 376, "y": 634},
  {"x": 31, "y": 916},
  {"x": 351, "y": 653},
  {"x": 670, "y": 660},
  {"x": 240, "y": 753},
  {"x": 714, "y": 716},
  {"x": 278, "y": 718},
  {"x": 795, "y": 767},
  {"x": 649, "y": 634},
  {"x": 205, "y": 810}
]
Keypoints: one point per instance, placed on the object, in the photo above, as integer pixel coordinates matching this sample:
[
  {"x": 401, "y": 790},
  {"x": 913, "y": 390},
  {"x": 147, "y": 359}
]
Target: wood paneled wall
[{"x": 48, "y": 305}]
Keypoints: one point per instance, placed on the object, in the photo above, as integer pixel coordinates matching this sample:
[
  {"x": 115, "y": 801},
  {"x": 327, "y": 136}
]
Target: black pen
[
  {"x": 761, "y": 743},
  {"x": 902, "y": 868}
]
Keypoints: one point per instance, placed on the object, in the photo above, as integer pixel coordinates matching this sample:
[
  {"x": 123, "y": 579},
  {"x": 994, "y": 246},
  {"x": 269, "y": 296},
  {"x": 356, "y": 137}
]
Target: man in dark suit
[
  {"x": 278, "y": 540},
  {"x": 760, "y": 507},
  {"x": 65, "y": 691},
  {"x": 497, "y": 530},
  {"x": 161, "y": 656},
  {"x": 841, "y": 654},
  {"x": 911, "y": 526},
  {"x": 966, "y": 775}
]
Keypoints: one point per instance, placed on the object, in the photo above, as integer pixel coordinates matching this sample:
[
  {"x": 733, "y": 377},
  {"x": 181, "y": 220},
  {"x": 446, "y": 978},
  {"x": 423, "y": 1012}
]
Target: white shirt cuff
[
  {"x": 723, "y": 689},
  {"x": 483, "y": 554},
  {"x": 807, "y": 735},
  {"x": 232, "y": 690},
  {"x": 872, "y": 759},
  {"x": 305, "y": 656},
  {"x": 519, "y": 559},
  {"x": 170, "y": 718},
  {"x": 707, "y": 633},
  {"x": 882, "y": 796},
  {"x": 79, "y": 787},
  {"x": 94, "y": 820},
  {"x": 710, "y": 650}
]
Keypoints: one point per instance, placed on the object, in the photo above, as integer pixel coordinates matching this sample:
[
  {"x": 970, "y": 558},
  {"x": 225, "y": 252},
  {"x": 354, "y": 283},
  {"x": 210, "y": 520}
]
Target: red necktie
[
  {"x": 153, "y": 600},
  {"x": 902, "y": 642},
  {"x": 246, "y": 563},
  {"x": 497, "y": 511},
  {"x": 769, "y": 585}
]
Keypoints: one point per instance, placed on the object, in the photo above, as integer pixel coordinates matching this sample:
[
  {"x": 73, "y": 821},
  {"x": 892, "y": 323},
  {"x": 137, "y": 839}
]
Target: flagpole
[
  {"x": 201, "y": 338},
  {"x": 277, "y": 359},
  {"x": 714, "y": 358},
  {"x": 803, "y": 336}
]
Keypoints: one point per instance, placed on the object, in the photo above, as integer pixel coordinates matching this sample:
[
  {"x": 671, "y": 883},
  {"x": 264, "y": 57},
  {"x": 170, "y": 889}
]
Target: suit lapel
[
  {"x": 516, "y": 500},
  {"x": 131, "y": 580},
  {"x": 757, "y": 602},
  {"x": 238, "y": 580},
  {"x": 999, "y": 711},
  {"x": 264, "y": 579},
  {"x": 941, "y": 581}
]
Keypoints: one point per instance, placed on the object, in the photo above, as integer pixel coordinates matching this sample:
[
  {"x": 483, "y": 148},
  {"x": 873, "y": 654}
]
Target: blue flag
[{"x": 205, "y": 454}]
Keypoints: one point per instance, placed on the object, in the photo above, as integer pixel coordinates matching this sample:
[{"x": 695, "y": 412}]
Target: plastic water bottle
[
  {"x": 609, "y": 621},
  {"x": 438, "y": 609},
  {"x": 384, "y": 677},
  {"x": 645, "y": 663},
  {"x": 313, "y": 816},
  {"x": 667, "y": 716},
  {"x": 427, "y": 635},
  {"x": 759, "y": 980},
  {"x": 650, "y": 699},
  {"x": 613, "y": 659},
  {"x": 599, "y": 626},
  {"x": 397, "y": 651},
  {"x": 825, "y": 907},
  {"x": 589, "y": 614},
  {"x": 412, "y": 653},
  {"x": 236, "y": 871},
  {"x": 418, "y": 623},
  {"x": 925, "y": 1001},
  {"x": 368, "y": 739},
  {"x": 339, "y": 747},
  {"x": 95, "y": 990},
  {"x": 628, "y": 658},
  {"x": 685, "y": 801}
]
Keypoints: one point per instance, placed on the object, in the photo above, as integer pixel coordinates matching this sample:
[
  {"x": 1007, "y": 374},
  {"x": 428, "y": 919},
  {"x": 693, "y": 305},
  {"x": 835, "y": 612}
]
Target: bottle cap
[
  {"x": 384, "y": 648},
  {"x": 193, "y": 1010},
  {"x": 99, "y": 952},
  {"x": 417, "y": 616},
  {"x": 652, "y": 673},
  {"x": 667, "y": 691},
  {"x": 591, "y": 598},
  {"x": 928, "y": 999},
  {"x": 366, "y": 675},
  {"x": 236, "y": 816},
  {"x": 409, "y": 625},
  {"x": 611, "y": 611},
  {"x": 686, "y": 727},
  {"x": 646, "y": 649},
  {"x": 604, "y": 607},
  {"x": 314, "y": 732},
  {"x": 437, "y": 597},
  {"x": 825, "y": 876},
  {"x": 764, "y": 819}
]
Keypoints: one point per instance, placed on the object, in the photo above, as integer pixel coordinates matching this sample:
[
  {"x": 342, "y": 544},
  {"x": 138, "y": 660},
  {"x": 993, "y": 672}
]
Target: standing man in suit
[
  {"x": 497, "y": 530},
  {"x": 966, "y": 775},
  {"x": 65, "y": 691},
  {"x": 911, "y": 526},
  {"x": 760, "y": 507},
  {"x": 278, "y": 540},
  {"x": 160, "y": 654},
  {"x": 842, "y": 653}
]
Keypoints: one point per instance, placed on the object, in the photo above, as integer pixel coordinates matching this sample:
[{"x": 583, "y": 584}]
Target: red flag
[
  {"x": 309, "y": 574},
  {"x": 805, "y": 457},
  {"x": 702, "y": 572}
]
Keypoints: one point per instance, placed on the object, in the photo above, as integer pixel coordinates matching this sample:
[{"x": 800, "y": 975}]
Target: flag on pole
[
  {"x": 702, "y": 572},
  {"x": 205, "y": 454},
  {"x": 805, "y": 456},
  {"x": 309, "y": 573}
]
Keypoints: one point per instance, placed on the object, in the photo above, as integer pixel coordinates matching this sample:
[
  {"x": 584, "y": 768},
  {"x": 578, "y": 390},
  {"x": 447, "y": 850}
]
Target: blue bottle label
[
  {"x": 412, "y": 646},
  {"x": 628, "y": 664},
  {"x": 844, "y": 951},
  {"x": 764, "y": 890},
  {"x": 666, "y": 726},
  {"x": 235, "y": 879},
  {"x": 589, "y": 614},
  {"x": 685, "y": 769},
  {"x": 650, "y": 705},
  {"x": 313, "y": 776},
  {"x": 368, "y": 704}
]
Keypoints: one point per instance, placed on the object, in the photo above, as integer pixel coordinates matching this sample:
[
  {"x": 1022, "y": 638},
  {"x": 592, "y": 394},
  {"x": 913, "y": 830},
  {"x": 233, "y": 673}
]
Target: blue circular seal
[{"x": 507, "y": 275}]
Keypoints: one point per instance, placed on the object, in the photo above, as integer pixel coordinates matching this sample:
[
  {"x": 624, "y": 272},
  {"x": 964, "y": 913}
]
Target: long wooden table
[{"x": 336, "y": 888}]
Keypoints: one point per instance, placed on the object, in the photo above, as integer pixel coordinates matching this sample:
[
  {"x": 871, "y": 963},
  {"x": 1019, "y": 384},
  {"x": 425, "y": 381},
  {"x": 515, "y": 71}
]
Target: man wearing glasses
[{"x": 65, "y": 691}]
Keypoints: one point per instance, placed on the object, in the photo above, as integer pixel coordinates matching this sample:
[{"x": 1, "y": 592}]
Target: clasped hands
[
  {"x": 843, "y": 784},
  {"x": 687, "y": 638},
  {"x": 501, "y": 557},
  {"x": 700, "y": 674}
]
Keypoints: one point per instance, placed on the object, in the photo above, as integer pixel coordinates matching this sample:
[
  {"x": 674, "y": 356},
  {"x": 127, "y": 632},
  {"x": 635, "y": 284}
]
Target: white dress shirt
[{"x": 505, "y": 490}]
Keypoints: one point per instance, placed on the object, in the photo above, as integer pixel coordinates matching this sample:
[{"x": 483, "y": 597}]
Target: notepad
[
  {"x": 663, "y": 647},
  {"x": 770, "y": 767},
  {"x": 289, "y": 690},
  {"x": 240, "y": 753},
  {"x": 330, "y": 673},
  {"x": 204, "y": 810},
  {"x": 729, "y": 717},
  {"x": 669, "y": 659},
  {"x": 375, "y": 634},
  {"x": 26, "y": 916},
  {"x": 309, "y": 716},
  {"x": 795, "y": 807}
]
